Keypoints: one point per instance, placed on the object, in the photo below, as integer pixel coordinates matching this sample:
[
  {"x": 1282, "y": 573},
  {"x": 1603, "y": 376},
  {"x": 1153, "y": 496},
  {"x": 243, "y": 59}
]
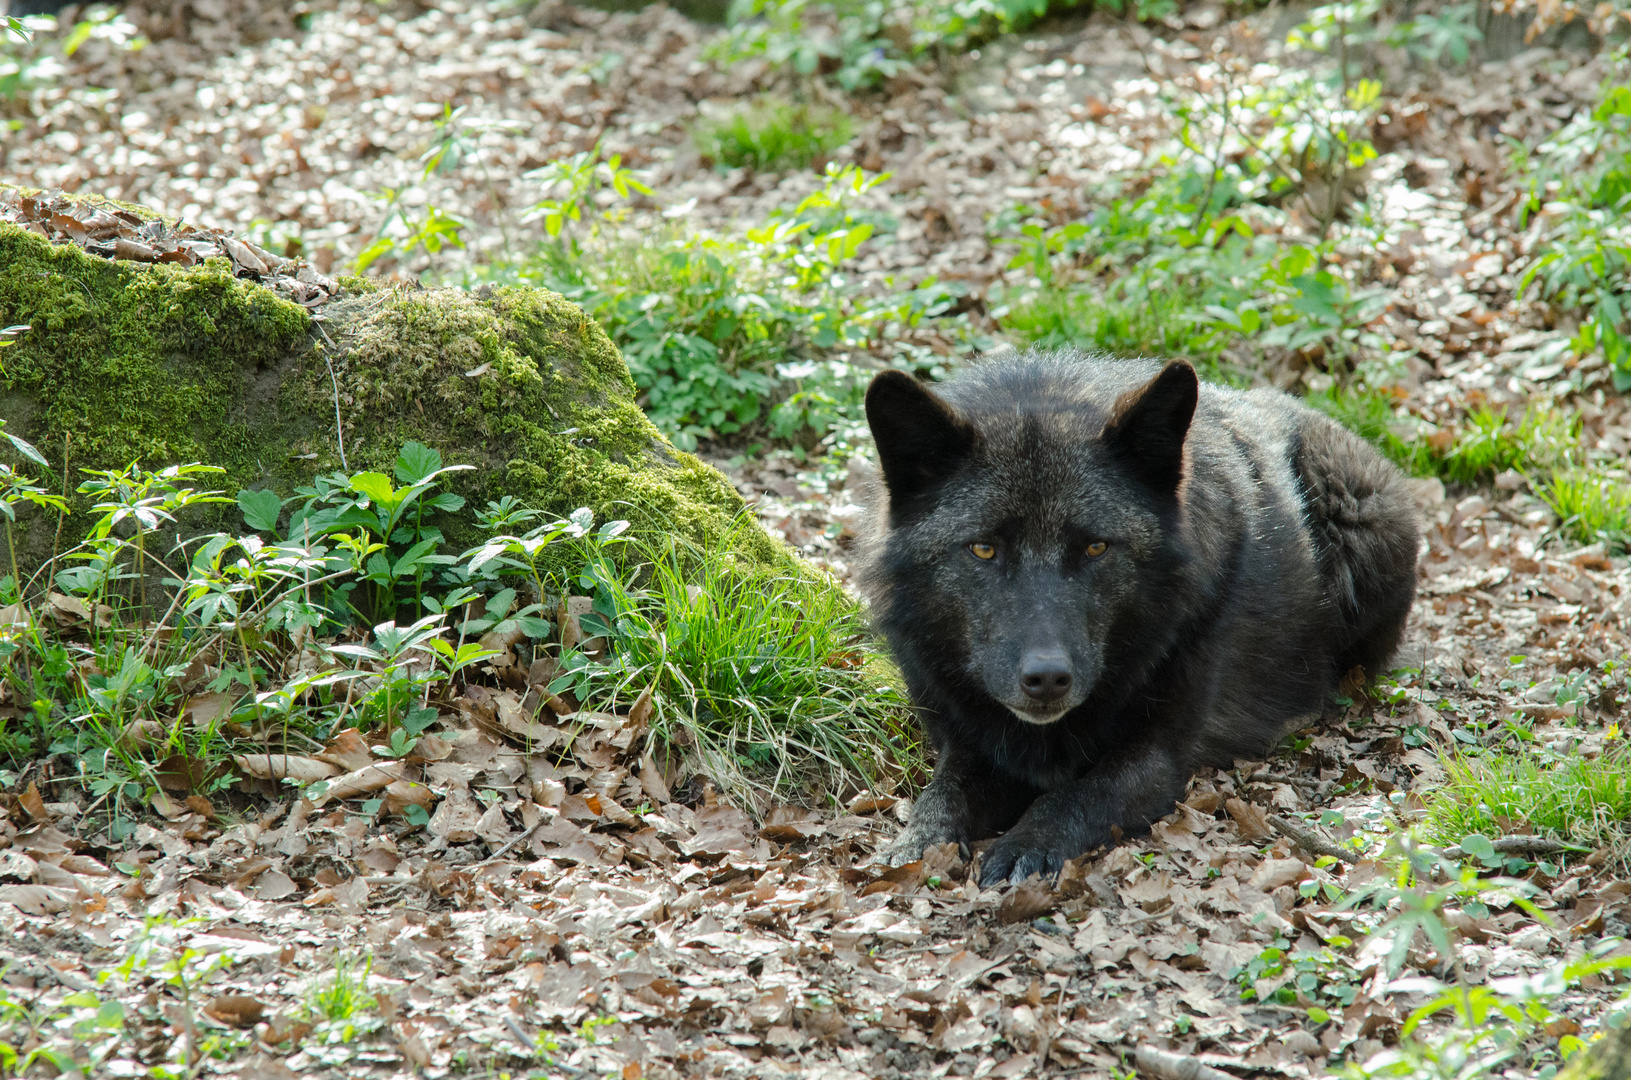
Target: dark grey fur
[{"x": 1255, "y": 553}]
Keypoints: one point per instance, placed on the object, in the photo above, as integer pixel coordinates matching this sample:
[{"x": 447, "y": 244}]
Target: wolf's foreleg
[
  {"x": 965, "y": 801},
  {"x": 1130, "y": 793}
]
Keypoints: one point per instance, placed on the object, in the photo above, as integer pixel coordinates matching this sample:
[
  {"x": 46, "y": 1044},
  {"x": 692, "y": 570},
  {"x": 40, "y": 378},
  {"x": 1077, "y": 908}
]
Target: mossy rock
[
  {"x": 160, "y": 364},
  {"x": 1609, "y": 1058}
]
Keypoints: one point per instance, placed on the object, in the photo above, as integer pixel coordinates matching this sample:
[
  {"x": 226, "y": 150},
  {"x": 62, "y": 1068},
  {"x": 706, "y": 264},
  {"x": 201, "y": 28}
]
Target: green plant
[
  {"x": 144, "y": 500},
  {"x": 26, "y": 62},
  {"x": 1285, "y": 975},
  {"x": 79, "y": 1030},
  {"x": 773, "y": 133},
  {"x": 1591, "y": 505},
  {"x": 344, "y": 993},
  {"x": 403, "y": 228},
  {"x": 1491, "y": 1028},
  {"x": 860, "y": 43},
  {"x": 1580, "y": 188},
  {"x": 1532, "y": 789},
  {"x": 379, "y": 529},
  {"x": 1490, "y": 443},
  {"x": 762, "y": 333},
  {"x": 764, "y": 682},
  {"x": 581, "y": 176},
  {"x": 1141, "y": 276}
]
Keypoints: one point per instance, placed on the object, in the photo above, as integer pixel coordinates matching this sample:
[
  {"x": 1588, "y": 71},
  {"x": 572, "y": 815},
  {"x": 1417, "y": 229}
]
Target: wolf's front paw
[
  {"x": 1022, "y": 852},
  {"x": 909, "y": 845}
]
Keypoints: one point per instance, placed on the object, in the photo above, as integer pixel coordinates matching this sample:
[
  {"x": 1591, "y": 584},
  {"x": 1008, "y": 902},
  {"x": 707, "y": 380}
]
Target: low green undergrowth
[
  {"x": 771, "y": 678},
  {"x": 859, "y": 44},
  {"x": 760, "y": 335},
  {"x": 1592, "y": 505},
  {"x": 772, "y": 133},
  {"x": 148, "y": 665},
  {"x": 1564, "y": 796},
  {"x": 1580, "y": 191}
]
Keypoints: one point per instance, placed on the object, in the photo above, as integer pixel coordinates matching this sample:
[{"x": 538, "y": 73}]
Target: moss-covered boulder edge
[{"x": 132, "y": 362}]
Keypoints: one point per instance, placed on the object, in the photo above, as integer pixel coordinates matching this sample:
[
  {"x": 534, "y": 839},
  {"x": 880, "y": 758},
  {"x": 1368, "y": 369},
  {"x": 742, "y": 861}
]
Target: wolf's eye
[
  {"x": 983, "y": 551},
  {"x": 1096, "y": 548}
]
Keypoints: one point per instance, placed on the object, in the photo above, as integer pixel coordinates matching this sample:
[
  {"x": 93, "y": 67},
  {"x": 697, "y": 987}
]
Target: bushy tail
[{"x": 1365, "y": 523}]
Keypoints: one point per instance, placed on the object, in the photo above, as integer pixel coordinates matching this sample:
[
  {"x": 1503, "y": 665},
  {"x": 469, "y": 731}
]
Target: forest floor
[{"x": 566, "y": 919}]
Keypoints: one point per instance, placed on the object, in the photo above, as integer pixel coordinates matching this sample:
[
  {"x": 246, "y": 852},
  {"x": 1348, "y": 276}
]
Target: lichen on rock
[{"x": 161, "y": 364}]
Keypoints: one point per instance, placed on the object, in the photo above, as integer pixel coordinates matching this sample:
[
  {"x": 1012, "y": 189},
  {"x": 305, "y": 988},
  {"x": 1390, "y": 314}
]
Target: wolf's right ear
[
  {"x": 921, "y": 439},
  {"x": 1149, "y": 426}
]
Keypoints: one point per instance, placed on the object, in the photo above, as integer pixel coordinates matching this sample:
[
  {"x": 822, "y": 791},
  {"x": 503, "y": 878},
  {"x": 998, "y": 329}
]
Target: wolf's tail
[{"x": 1365, "y": 524}]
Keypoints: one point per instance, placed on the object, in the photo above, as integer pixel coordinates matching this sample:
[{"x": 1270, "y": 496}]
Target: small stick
[
  {"x": 1310, "y": 842},
  {"x": 526, "y": 834},
  {"x": 1170, "y": 1066},
  {"x": 1521, "y": 845}
]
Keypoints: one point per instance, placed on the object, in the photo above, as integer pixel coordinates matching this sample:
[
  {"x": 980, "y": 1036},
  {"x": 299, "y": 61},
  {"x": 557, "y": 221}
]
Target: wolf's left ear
[
  {"x": 921, "y": 438},
  {"x": 1149, "y": 425}
]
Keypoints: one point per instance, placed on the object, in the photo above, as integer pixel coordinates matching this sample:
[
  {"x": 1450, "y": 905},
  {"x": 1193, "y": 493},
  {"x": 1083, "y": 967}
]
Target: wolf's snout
[{"x": 1045, "y": 676}]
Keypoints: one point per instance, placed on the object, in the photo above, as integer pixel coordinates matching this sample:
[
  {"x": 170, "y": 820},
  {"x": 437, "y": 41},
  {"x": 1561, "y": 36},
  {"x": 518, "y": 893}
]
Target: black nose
[{"x": 1045, "y": 676}]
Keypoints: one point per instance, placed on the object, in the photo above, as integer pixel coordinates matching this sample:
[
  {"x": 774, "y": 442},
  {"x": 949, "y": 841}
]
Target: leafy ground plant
[
  {"x": 860, "y": 44},
  {"x": 773, "y": 133},
  {"x": 1559, "y": 795},
  {"x": 1581, "y": 187},
  {"x": 769, "y": 682},
  {"x": 759, "y": 334}
]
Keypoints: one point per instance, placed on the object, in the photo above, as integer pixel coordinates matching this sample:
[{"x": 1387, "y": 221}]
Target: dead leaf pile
[{"x": 114, "y": 232}]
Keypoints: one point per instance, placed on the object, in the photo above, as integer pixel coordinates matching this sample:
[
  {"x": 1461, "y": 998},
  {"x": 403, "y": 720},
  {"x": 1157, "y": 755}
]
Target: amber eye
[
  {"x": 983, "y": 551},
  {"x": 1096, "y": 548}
]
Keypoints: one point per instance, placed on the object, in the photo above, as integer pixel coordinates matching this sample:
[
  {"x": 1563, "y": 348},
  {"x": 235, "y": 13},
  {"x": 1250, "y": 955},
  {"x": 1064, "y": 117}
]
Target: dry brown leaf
[
  {"x": 401, "y": 794},
  {"x": 33, "y": 803},
  {"x": 872, "y": 804},
  {"x": 456, "y": 818},
  {"x": 364, "y": 781},
  {"x": 36, "y": 899},
  {"x": 204, "y": 710},
  {"x": 1273, "y": 873},
  {"x": 652, "y": 783},
  {"x": 275, "y": 885},
  {"x": 1252, "y": 820},
  {"x": 303, "y": 770},
  {"x": 640, "y": 711},
  {"x": 239, "y": 1010},
  {"x": 1026, "y": 901},
  {"x": 347, "y": 750}
]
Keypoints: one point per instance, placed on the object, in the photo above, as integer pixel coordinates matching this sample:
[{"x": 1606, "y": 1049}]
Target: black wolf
[{"x": 1098, "y": 575}]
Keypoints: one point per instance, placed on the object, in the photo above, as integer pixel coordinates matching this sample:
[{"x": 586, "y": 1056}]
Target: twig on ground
[
  {"x": 1170, "y": 1066},
  {"x": 1521, "y": 845},
  {"x": 527, "y": 1045},
  {"x": 1311, "y": 842},
  {"x": 501, "y": 852}
]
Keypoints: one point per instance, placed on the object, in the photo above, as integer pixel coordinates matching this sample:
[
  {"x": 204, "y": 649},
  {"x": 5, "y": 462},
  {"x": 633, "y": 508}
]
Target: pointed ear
[
  {"x": 921, "y": 439},
  {"x": 1148, "y": 427}
]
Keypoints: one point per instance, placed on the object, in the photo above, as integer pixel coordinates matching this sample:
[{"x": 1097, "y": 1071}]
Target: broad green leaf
[
  {"x": 416, "y": 462},
  {"x": 260, "y": 509},
  {"x": 375, "y": 487}
]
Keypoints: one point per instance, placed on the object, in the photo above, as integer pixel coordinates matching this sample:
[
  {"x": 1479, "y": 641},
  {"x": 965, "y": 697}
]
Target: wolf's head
[{"x": 1032, "y": 507}]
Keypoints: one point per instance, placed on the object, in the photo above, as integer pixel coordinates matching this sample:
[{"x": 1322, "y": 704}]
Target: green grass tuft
[
  {"x": 767, "y": 684},
  {"x": 1591, "y": 506},
  {"x": 773, "y": 134},
  {"x": 1564, "y": 796},
  {"x": 1158, "y": 325}
]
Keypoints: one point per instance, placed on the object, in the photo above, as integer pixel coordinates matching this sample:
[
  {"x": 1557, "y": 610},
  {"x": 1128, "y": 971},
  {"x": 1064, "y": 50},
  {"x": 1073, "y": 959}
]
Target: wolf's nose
[{"x": 1045, "y": 676}]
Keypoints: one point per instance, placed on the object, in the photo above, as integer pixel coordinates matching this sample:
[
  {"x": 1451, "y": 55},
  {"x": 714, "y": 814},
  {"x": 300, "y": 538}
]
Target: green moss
[
  {"x": 160, "y": 364},
  {"x": 137, "y": 363}
]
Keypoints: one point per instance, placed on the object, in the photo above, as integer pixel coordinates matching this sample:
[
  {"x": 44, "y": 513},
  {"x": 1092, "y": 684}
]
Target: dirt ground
[{"x": 565, "y": 913}]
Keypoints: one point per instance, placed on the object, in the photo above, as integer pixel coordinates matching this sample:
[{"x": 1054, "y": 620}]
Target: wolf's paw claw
[{"x": 1017, "y": 858}]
